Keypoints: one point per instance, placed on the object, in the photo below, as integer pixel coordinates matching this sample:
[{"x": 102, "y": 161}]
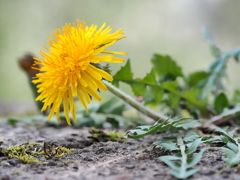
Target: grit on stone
[{"x": 132, "y": 159}]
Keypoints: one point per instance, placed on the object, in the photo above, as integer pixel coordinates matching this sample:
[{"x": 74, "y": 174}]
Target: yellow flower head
[{"x": 68, "y": 67}]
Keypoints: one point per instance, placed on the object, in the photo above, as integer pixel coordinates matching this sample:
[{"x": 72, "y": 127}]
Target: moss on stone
[{"x": 32, "y": 153}]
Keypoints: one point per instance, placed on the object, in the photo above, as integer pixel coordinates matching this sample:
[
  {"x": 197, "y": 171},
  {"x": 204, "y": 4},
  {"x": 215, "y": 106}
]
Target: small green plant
[
  {"x": 200, "y": 96},
  {"x": 182, "y": 164},
  {"x": 26, "y": 153},
  {"x": 165, "y": 126},
  {"x": 198, "y": 100},
  {"x": 231, "y": 149},
  {"x": 34, "y": 152},
  {"x": 201, "y": 93}
]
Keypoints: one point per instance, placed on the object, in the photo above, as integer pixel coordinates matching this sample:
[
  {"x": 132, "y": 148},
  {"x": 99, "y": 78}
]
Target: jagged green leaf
[
  {"x": 196, "y": 158},
  {"x": 153, "y": 91},
  {"x": 167, "y": 144},
  {"x": 191, "y": 136},
  {"x": 235, "y": 54},
  {"x": 232, "y": 153},
  {"x": 186, "y": 123},
  {"x": 178, "y": 124},
  {"x": 236, "y": 97},
  {"x": 124, "y": 74},
  {"x": 192, "y": 147},
  {"x": 138, "y": 88},
  {"x": 182, "y": 165},
  {"x": 166, "y": 67},
  {"x": 221, "y": 102},
  {"x": 153, "y": 95},
  {"x": 217, "y": 70},
  {"x": 150, "y": 78},
  {"x": 196, "y": 79},
  {"x": 170, "y": 161},
  {"x": 215, "y": 50}
]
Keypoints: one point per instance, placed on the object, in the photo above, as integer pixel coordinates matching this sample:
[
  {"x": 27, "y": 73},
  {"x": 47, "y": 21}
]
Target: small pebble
[
  {"x": 74, "y": 134},
  {"x": 100, "y": 151},
  {"x": 52, "y": 163},
  {"x": 87, "y": 158},
  {"x": 129, "y": 166},
  {"x": 13, "y": 162}
]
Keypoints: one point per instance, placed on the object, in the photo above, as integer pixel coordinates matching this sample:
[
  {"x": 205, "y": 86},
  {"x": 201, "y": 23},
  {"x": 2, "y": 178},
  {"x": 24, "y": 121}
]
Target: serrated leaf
[
  {"x": 214, "y": 83},
  {"x": 191, "y": 136},
  {"x": 124, "y": 74},
  {"x": 192, "y": 96},
  {"x": 182, "y": 166},
  {"x": 185, "y": 174},
  {"x": 153, "y": 95},
  {"x": 232, "y": 153},
  {"x": 166, "y": 67},
  {"x": 212, "y": 140},
  {"x": 226, "y": 134},
  {"x": 217, "y": 70},
  {"x": 215, "y": 50},
  {"x": 142, "y": 131},
  {"x": 229, "y": 154},
  {"x": 178, "y": 124},
  {"x": 220, "y": 103},
  {"x": 150, "y": 78},
  {"x": 173, "y": 101},
  {"x": 153, "y": 91},
  {"x": 167, "y": 144},
  {"x": 236, "y": 54},
  {"x": 232, "y": 146},
  {"x": 196, "y": 158},
  {"x": 192, "y": 147},
  {"x": 138, "y": 88},
  {"x": 169, "y": 160},
  {"x": 170, "y": 85},
  {"x": 187, "y": 123},
  {"x": 196, "y": 79},
  {"x": 236, "y": 97}
]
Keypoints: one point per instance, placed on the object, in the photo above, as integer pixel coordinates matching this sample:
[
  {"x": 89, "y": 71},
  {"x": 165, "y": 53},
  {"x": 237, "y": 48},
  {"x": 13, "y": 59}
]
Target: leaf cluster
[
  {"x": 109, "y": 113},
  {"x": 183, "y": 163},
  {"x": 164, "y": 126},
  {"x": 201, "y": 96},
  {"x": 201, "y": 93},
  {"x": 231, "y": 149}
]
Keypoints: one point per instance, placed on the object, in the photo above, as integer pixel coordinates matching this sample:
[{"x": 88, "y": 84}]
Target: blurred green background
[{"x": 162, "y": 26}]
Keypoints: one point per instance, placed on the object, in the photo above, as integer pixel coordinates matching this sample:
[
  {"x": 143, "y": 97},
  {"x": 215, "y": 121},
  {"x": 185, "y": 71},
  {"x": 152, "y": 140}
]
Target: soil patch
[{"x": 132, "y": 159}]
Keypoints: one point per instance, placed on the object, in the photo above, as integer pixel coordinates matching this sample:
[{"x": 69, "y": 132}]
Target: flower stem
[{"x": 135, "y": 104}]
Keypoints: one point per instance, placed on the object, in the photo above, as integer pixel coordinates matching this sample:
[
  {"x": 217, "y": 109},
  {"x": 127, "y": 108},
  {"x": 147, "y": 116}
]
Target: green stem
[
  {"x": 224, "y": 117},
  {"x": 195, "y": 103},
  {"x": 135, "y": 104},
  {"x": 184, "y": 156}
]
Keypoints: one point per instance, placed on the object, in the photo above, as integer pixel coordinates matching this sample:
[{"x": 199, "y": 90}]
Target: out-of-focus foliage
[
  {"x": 201, "y": 96},
  {"x": 200, "y": 93}
]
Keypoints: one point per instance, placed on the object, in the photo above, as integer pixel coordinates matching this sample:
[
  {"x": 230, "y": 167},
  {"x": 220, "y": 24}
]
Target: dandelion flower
[{"x": 68, "y": 68}]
